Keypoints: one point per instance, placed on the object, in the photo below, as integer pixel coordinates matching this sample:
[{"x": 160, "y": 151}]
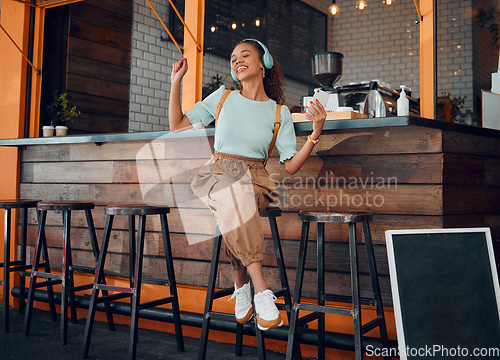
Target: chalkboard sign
[
  {"x": 445, "y": 293},
  {"x": 292, "y": 30}
]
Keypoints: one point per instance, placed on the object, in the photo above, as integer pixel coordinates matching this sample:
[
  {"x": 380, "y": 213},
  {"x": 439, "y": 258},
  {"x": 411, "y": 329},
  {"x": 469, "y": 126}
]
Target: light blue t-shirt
[{"x": 245, "y": 127}]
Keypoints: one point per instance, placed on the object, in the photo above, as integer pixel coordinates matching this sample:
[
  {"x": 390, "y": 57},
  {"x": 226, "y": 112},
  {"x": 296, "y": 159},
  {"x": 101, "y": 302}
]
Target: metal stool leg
[
  {"x": 173, "y": 283},
  {"x": 36, "y": 261},
  {"x": 95, "y": 249},
  {"x": 281, "y": 264},
  {"x": 214, "y": 264},
  {"x": 66, "y": 290},
  {"x": 99, "y": 274},
  {"x": 136, "y": 297},
  {"x": 6, "y": 270},
  {"x": 375, "y": 286},
  {"x": 22, "y": 276},
  {"x": 292, "y": 332},
  {"x": 46, "y": 266},
  {"x": 356, "y": 314},
  {"x": 239, "y": 340},
  {"x": 131, "y": 248},
  {"x": 261, "y": 345},
  {"x": 321, "y": 288}
]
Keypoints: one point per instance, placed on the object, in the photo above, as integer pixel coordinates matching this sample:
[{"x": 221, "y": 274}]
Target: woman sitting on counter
[{"x": 234, "y": 183}]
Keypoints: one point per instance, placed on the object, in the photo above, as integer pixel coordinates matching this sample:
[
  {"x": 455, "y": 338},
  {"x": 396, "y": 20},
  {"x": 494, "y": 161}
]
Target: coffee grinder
[{"x": 327, "y": 70}]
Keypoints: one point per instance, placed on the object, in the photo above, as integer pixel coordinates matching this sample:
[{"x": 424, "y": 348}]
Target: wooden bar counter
[{"x": 410, "y": 172}]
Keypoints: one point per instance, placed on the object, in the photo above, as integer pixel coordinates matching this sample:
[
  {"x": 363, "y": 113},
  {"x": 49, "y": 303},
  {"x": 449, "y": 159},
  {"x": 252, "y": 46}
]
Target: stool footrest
[
  {"x": 12, "y": 263},
  {"x": 155, "y": 281},
  {"x": 348, "y": 299},
  {"x": 307, "y": 318},
  {"x": 20, "y": 268},
  {"x": 82, "y": 287},
  {"x": 220, "y": 316},
  {"x": 121, "y": 289},
  {"x": 371, "y": 325},
  {"x": 223, "y": 292},
  {"x": 47, "y": 283},
  {"x": 325, "y": 309},
  {"x": 28, "y": 273},
  {"x": 283, "y": 307},
  {"x": 112, "y": 297},
  {"x": 82, "y": 269},
  {"x": 157, "y": 302},
  {"x": 46, "y": 275}
]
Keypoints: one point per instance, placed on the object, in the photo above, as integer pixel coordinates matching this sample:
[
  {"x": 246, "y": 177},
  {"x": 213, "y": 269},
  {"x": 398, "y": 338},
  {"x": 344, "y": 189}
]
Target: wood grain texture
[{"x": 411, "y": 183}]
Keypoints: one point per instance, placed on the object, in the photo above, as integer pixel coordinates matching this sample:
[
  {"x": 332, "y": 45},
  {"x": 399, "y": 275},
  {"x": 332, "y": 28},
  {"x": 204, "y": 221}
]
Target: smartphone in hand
[{"x": 321, "y": 96}]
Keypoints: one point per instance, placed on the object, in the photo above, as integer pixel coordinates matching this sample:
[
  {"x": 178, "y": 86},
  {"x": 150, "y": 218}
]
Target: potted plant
[{"x": 61, "y": 113}]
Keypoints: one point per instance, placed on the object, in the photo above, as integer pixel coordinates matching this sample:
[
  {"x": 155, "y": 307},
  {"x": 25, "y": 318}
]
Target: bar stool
[
  {"x": 319, "y": 309},
  {"x": 136, "y": 251},
  {"x": 66, "y": 277},
  {"x": 271, "y": 213},
  {"x": 19, "y": 265}
]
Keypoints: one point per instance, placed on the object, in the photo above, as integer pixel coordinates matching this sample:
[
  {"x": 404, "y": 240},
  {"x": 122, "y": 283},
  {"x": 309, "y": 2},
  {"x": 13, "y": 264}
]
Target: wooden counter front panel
[{"x": 409, "y": 180}]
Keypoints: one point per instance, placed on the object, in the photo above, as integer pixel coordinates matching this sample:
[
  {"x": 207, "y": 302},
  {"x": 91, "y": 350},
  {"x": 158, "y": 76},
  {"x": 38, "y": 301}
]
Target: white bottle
[{"x": 403, "y": 103}]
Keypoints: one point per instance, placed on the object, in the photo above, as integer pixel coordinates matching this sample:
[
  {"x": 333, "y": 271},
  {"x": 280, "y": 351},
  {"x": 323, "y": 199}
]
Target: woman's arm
[
  {"x": 176, "y": 118},
  {"x": 316, "y": 113}
]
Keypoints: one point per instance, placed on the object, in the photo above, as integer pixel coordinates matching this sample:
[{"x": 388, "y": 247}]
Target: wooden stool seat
[
  {"x": 18, "y": 265},
  {"x": 334, "y": 217},
  {"x": 65, "y": 205},
  {"x": 18, "y": 204},
  {"x": 136, "y": 210},
  {"x": 136, "y": 252},
  {"x": 318, "y": 310},
  {"x": 68, "y": 289},
  {"x": 271, "y": 213}
]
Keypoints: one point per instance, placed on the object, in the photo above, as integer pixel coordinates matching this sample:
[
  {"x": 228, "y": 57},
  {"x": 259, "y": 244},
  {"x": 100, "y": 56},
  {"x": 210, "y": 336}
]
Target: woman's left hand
[{"x": 317, "y": 114}]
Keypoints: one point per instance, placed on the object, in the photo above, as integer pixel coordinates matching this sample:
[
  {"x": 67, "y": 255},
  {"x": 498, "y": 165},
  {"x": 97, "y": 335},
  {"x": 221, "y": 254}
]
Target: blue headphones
[{"x": 267, "y": 59}]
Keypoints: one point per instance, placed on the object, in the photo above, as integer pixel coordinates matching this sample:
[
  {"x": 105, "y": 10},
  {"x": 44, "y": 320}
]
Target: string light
[
  {"x": 334, "y": 9},
  {"x": 388, "y": 2},
  {"x": 361, "y": 5},
  {"x": 257, "y": 22}
]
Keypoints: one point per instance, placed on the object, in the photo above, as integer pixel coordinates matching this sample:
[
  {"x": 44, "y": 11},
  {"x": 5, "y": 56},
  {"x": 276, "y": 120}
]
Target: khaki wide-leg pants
[{"x": 236, "y": 189}]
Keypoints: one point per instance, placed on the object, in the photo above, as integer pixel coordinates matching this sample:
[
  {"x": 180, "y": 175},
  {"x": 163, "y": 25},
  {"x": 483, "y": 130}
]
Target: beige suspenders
[{"x": 276, "y": 124}]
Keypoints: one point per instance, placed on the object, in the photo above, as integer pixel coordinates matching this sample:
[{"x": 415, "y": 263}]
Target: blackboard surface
[{"x": 445, "y": 293}]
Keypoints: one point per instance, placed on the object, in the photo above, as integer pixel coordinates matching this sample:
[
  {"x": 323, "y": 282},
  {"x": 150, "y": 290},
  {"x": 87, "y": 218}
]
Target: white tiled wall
[{"x": 379, "y": 43}]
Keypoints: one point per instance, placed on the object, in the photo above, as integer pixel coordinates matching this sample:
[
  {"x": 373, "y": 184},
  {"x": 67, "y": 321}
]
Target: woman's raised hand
[{"x": 179, "y": 69}]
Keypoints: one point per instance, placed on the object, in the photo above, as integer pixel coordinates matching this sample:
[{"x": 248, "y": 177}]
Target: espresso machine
[{"x": 327, "y": 70}]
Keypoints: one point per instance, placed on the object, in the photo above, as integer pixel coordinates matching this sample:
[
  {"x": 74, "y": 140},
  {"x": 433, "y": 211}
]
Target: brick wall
[
  {"x": 380, "y": 43},
  {"x": 152, "y": 58}
]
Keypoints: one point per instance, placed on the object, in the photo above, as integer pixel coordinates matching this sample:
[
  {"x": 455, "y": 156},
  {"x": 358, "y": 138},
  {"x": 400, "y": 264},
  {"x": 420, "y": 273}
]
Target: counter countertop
[{"x": 299, "y": 127}]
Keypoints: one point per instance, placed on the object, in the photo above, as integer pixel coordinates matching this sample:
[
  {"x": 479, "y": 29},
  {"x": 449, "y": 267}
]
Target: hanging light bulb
[
  {"x": 388, "y": 2},
  {"x": 361, "y": 5},
  {"x": 333, "y": 9}
]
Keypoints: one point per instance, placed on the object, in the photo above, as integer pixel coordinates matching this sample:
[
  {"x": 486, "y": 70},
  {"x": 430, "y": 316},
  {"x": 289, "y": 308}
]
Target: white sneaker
[
  {"x": 268, "y": 315},
  {"x": 243, "y": 309}
]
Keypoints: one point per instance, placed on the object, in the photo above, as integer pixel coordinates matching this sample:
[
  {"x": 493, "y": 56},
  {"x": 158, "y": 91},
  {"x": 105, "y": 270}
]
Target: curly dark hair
[{"x": 274, "y": 81}]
